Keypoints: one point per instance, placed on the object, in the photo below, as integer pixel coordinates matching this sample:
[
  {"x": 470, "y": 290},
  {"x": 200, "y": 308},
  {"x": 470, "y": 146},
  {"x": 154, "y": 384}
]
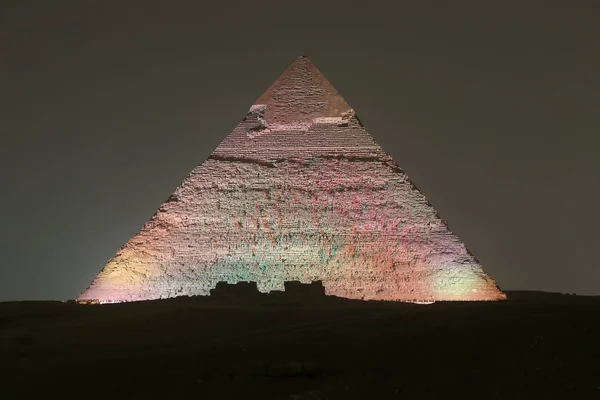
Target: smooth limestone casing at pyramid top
[{"x": 298, "y": 191}]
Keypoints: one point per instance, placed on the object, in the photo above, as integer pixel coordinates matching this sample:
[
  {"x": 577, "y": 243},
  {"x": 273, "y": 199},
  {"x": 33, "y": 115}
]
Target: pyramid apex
[{"x": 301, "y": 94}]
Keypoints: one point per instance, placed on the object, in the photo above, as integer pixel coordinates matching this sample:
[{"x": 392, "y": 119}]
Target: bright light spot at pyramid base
[{"x": 425, "y": 302}]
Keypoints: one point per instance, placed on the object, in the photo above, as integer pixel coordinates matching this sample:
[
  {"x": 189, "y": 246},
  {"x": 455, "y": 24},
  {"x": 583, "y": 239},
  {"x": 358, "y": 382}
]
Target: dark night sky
[{"x": 493, "y": 111}]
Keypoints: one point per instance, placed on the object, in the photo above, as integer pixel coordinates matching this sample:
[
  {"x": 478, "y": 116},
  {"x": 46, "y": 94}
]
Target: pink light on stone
[{"x": 298, "y": 191}]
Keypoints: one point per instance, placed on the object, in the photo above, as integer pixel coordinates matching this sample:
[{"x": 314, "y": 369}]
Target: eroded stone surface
[{"x": 298, "y": 191}]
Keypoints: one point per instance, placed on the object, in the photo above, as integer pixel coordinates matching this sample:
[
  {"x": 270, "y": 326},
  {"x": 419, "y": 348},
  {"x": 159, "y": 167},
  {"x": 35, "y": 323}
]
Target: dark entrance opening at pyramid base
[{"x": 299, "y": 191}]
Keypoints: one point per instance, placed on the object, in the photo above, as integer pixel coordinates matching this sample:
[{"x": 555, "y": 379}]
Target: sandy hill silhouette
[{"x": 300, "y": 344}]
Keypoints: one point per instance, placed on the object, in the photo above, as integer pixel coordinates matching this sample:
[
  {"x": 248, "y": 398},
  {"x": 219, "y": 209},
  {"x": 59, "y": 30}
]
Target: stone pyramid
[{"x": 298, "y": 191}]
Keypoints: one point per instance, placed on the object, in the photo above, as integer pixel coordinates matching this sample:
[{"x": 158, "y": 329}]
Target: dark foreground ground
[{"x": 533, "y": 346}]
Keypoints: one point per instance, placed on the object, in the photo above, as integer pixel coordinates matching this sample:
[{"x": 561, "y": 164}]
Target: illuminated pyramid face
[{"x": 298, "y": 191}]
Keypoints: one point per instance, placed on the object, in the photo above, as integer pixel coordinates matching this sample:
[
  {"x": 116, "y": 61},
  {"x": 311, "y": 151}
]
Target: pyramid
[{"x": 299, "y": 191}]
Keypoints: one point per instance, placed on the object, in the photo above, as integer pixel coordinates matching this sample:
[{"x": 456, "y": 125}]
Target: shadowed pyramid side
[{"x": 299, "y": 191}]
